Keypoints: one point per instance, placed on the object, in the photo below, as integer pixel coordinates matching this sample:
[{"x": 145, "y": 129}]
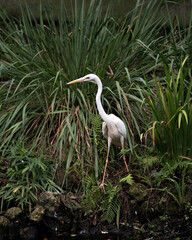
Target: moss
[
  {"x": 37, "y": 214},
  {"x": 13, "y": 212},
  {"x": 4, "y": 222}
]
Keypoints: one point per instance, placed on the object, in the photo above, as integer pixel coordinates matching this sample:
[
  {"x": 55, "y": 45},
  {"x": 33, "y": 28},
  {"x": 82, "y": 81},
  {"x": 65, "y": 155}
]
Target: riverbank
[{"x": 62, "y": 216}]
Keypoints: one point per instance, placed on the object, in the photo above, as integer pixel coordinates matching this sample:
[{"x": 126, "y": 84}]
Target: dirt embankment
[{"x": 62, "y": 215}]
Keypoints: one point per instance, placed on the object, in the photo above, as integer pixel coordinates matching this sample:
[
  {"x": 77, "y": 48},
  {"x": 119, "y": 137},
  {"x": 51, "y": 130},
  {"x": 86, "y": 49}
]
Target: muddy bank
[{"x": 61, "y": 215}]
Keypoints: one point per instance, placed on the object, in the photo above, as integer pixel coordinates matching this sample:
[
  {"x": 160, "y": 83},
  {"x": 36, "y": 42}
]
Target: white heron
[{"x": 113, "y": 128}]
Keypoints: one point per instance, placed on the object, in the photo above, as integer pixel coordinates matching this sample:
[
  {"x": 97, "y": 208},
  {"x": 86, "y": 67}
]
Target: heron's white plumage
[{"x": 114, "y": 129}]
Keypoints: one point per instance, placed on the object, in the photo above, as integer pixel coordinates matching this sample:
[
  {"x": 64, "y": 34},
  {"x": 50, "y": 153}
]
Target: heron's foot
[{"x": 102, "y": 184}]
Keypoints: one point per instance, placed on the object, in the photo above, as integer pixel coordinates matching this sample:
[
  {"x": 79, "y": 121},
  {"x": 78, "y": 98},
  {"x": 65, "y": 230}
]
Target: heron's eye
[{"x": 87, "y": 78}]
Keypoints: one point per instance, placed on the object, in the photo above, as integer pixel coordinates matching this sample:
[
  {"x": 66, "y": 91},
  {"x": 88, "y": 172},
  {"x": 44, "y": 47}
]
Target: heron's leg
[
  {"x": 124, "y": 159},
  {"x": 126, "y": 164},
  {"x": 106, "y": 162}
]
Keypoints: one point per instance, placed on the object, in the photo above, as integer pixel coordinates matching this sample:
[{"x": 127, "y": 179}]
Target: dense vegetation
[{"x": 50, "y": 133}]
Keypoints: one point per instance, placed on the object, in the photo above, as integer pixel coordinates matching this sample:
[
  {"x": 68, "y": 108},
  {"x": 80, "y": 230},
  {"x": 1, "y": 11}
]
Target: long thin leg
[
  {"x": 106, "y": 162},
  {"x": 126, "y": 164},
  {"x": 124, "y": 159}
]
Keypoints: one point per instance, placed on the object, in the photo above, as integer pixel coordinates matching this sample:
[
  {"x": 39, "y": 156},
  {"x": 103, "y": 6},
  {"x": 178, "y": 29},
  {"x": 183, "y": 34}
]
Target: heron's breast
[{"x": 113, "y": 133}]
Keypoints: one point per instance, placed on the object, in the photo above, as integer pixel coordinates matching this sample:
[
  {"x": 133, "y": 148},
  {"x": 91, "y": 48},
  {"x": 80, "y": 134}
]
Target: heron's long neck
[{"x": 102, "y": 112}]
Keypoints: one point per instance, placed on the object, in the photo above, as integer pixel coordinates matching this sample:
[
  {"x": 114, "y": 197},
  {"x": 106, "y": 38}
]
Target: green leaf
[{"x": 128, "y": 179}]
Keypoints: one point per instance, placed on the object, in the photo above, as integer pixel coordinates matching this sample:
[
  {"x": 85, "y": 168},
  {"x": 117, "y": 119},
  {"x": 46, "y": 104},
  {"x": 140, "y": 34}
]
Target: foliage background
[{"x": 50, "y": 133}]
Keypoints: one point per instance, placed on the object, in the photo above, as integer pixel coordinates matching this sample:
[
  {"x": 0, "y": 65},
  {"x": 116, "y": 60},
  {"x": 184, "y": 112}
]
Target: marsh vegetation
[{"x": 50, "y": 133}]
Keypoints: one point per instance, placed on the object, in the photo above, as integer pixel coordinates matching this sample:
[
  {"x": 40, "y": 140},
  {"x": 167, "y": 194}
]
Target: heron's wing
[
  {"x": 120, "y": 127},
  {"x": 104, "y": 130}
]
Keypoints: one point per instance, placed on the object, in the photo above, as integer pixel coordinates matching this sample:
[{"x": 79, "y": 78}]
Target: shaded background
[{"x": 180, "y": 8}]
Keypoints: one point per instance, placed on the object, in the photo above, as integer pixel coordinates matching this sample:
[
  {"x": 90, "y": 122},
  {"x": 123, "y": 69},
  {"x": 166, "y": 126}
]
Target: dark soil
[{"x": 52, "y": 219}]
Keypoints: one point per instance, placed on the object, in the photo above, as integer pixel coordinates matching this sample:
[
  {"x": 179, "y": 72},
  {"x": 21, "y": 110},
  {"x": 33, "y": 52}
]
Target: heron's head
[{"x": 88, "y": 77}]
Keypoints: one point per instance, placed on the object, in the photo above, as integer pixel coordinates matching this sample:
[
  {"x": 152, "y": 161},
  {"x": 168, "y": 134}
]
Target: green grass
[
  {"x": 39, "y": 58},
  {"x": 28, "y": 174},
  {"x": 144, "y": 63},
  {"x": 171, "y": 108}
]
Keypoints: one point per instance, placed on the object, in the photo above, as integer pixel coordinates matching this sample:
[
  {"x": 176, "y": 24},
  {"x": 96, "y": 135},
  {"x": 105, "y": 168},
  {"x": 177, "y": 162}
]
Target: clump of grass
[
  {"x": 38, "y": 58},
  {"x": 170, "y": 105}
]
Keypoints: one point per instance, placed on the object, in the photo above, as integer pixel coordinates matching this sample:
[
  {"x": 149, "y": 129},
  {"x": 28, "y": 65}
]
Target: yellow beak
[{"x": 76, "y": 81}]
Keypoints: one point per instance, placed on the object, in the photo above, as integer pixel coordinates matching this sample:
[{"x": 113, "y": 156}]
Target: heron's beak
[{"x": 76, "y": 81}]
